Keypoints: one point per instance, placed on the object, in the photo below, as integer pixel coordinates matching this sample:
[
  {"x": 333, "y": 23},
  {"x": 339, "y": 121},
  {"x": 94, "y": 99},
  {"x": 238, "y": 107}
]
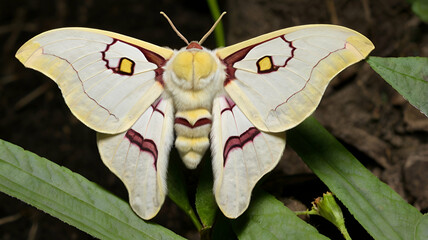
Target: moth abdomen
[{"x": 192, "y": 128}]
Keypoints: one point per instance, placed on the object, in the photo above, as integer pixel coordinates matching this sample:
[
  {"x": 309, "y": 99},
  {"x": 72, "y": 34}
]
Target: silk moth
[{"x": 238, "y": 100}]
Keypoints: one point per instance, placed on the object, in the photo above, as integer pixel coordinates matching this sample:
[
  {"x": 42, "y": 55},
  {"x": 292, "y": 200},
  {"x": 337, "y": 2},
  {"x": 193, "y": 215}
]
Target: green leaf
[
  {"x": 71, "y": 198},
  {"x": 409, "y": 76},
  {"x": 380, "y": 210},
  {"x": 420, "y": 8},
  {"x": 206, "y": 205},
  {"x": 268, "y": 218},
  {"x": 422, "y": 229},
  {"x": 177, "y": 190}
]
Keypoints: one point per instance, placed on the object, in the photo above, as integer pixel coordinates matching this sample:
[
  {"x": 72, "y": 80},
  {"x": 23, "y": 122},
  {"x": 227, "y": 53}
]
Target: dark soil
[{"x": 373, "y": 121}]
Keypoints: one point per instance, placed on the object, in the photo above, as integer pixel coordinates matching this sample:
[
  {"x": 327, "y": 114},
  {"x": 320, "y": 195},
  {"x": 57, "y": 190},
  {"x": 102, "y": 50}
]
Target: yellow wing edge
[
  {"x": 362, "y": 43},
  {"x": 26, "y": 50}
]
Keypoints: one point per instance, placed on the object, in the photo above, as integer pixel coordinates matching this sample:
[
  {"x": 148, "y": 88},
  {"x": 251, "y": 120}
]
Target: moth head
[{"x": 193, "y": 68}]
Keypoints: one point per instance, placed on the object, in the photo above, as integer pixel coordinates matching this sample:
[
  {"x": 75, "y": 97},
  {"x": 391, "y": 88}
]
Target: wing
[
  {"x": 241, "y": 156},
  {"x": 139, "y": 157},
  {"x": 278, "y": 79},
  {"x": 108, "y": 80}
]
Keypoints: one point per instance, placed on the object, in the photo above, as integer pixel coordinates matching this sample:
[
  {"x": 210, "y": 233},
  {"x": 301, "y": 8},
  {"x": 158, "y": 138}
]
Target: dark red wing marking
[
  {"x": 145, "y": 145},
  {"x": 239, "y": 142},
  {"x": 231, "y": 106},
  {"x": 276, "y": 67},
  {"x": 310, "y": 76},
  {"x": 81, "y": 83},
  {"x": 231, "y": 59},
  {"x": 200, "y": 122},
  {"x": 239, "y": 55},
  {"x": 155, "y": 107},
  {"x": 151, "y": 57},
  {"x": 156, "y": 59}
]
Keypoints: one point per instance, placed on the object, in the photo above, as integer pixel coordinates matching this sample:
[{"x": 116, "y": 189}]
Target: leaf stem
[{"x": 194, "y": 219}]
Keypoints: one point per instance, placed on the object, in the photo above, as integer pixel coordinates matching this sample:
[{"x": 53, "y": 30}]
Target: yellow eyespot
[
  {"x": 126, "y": 66},
  {"x": 264, "y": 64}
]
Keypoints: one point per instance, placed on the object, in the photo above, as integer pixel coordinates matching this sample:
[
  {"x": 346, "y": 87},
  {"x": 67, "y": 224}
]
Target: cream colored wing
[
  {"x": 278, "y": 79},
  {"x": 108, "y": 80},
  {"x": 241, "y": 156},
  {"x": 139, "y": 157}
]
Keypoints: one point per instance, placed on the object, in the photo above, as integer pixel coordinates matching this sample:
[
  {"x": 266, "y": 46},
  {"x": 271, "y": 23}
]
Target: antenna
[
  {"x": 211, "y": 30},
  {"x": 174, "y": 28}
]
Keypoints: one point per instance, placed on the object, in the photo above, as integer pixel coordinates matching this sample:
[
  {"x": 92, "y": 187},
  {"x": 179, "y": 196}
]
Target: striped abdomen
[{"x": 192, "y": 128}]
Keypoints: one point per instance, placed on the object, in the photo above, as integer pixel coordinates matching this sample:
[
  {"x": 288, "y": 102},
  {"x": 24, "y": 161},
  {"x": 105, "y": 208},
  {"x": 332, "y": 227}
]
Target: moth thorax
[
  {"x": 192, "y": 128},
  {"x": 194, "y": 68}
]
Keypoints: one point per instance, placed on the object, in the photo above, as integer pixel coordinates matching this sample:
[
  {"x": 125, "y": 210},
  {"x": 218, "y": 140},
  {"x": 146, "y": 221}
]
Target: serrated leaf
[
  {"x": 206, "y": 205},
  {"x": 268, "y": 218},
  {"x": 409, "y": 76},
  {"x": 380, "y": 210},
  {"x": 71, "y": 198}
]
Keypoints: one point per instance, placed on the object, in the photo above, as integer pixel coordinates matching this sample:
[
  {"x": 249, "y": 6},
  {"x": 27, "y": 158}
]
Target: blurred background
[{"x": 388, "y": 135}]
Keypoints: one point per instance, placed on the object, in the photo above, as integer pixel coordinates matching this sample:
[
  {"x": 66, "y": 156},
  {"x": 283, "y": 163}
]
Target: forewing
[
  {"x": 108, "y": 80},
  {"x": 139, "y": 157},
  {"x": 242, "y": 154},
  {"x": 278, "y": 79}
]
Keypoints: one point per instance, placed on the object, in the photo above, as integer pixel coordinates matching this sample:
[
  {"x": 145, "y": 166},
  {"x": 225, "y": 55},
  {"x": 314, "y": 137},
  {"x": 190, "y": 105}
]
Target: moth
[{"x": 239, "y": 100}]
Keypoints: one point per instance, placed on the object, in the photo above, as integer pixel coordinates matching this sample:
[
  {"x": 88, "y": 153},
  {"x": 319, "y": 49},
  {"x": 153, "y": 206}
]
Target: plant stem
[
  {"x": 219, "y": 31},
  {"x": 345, "y": 233},
  {"x": 195, "y": 219}
]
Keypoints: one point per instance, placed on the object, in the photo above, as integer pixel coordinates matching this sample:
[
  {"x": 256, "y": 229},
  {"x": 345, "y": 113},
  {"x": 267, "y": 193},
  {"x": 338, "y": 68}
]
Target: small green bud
[{"x": 327, "y": 208}]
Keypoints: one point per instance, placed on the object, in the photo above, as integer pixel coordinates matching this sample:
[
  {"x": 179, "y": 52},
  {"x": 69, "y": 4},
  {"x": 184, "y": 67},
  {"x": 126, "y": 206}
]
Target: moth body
[{"x": 195, "y": 77}]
